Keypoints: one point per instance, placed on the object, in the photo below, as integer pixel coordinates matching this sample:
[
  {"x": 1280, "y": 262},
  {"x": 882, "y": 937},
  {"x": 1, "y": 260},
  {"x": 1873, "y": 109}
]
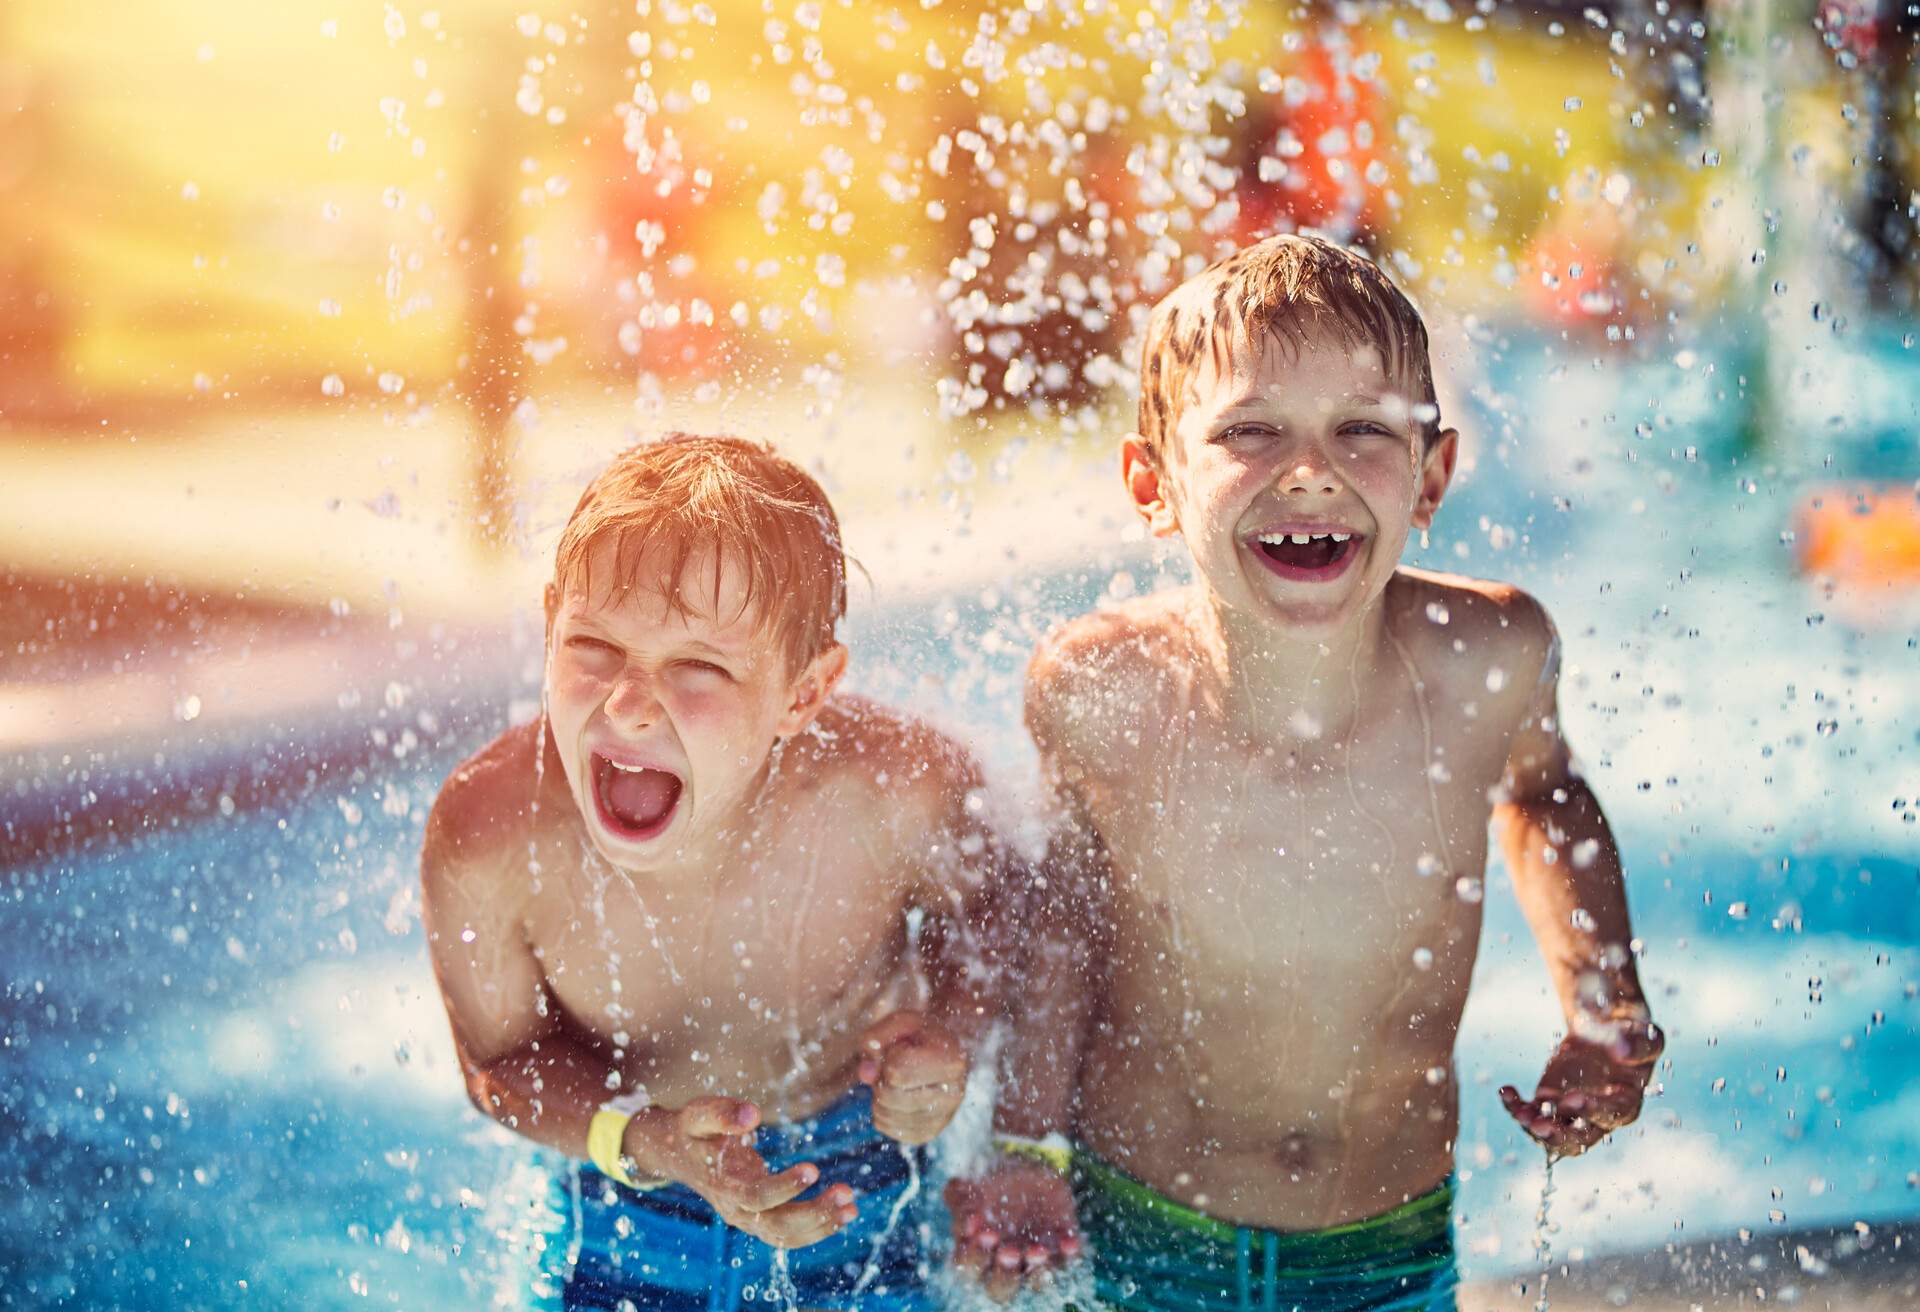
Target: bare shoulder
[
  {"x": 860, "y": 749},
  {"x": 482, "y": 813},
  {"x": 1483, "y": 628},
  {"x": 1092, "y": 678}
]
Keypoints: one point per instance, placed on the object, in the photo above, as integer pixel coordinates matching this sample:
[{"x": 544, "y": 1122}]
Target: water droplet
[
  {"x": 1422, "y": 959},
  {"x": 1469, "y": 889},
  {"x": 1437, "y": 612},
  {"x": 1428, "y": 865},
  {"x": 1827, "y": 728}
]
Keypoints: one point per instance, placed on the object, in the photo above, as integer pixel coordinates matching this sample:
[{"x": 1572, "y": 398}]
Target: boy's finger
[
  {"x": 1638, "y": 1043},
  {"x": 771, "y": 1191},
  {"x": 889, "y": 1030},
  {"x": 795, "y": 1225},
  {"x": 706, "y": 1118},
  {"x": 910, "y": 1068},
  {"x": 1001, "y": 1283},
  {"x": 970, "y": 1258}
]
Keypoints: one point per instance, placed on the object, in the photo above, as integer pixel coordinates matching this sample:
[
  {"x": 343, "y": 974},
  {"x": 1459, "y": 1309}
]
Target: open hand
[
  {"x": 1013, "y": 1227},
  {"x": 1592, "y": 1086},
  {"x": 918, "y": 1071},
  {"x": 708, "y": 1146}
]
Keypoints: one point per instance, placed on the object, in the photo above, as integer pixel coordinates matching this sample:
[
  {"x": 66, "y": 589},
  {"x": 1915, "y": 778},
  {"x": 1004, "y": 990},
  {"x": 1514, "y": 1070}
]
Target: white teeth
[
  {"x": 1301, "y": 539},
  {"x": 628, "y": 769}
]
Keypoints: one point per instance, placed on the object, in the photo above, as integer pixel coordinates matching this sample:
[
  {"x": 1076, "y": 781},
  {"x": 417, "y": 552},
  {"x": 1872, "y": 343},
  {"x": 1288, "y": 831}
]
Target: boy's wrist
[
  {"x": 641, "y": 1148},
  {"x": 1052, "y": 1150}
]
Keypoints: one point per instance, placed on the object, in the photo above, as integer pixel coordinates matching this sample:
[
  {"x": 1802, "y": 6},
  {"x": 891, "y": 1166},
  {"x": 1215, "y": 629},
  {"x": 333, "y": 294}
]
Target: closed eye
[
  {"x": 707, "y": 667},
  {"x": 1236, "y": 431},
  {"x": 592, "y": 646}
]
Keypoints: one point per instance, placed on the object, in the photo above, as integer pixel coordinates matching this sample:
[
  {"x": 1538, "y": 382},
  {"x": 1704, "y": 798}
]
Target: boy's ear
[
  {"x": 811, "y": 688},
  {"x": 1436, "y": 472},
  {"x": 1148, "y": 487}
]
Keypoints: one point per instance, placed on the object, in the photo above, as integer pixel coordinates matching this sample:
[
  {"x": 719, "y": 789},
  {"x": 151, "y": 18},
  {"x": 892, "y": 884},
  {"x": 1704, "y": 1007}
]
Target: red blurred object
[
  {"x": 1327, "y": 143},
  {"x": 665, "y": 196},
  {"x": 1861, "y": 535},
  {"x": 1571, "y": 269},
  {"x": 1852, "y": 25}
]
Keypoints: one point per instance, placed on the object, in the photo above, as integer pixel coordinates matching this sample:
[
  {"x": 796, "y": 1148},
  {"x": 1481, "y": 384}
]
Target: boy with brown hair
[
  {"x": 1274, "y": 788},
  {"x": 683, "y": 919}
]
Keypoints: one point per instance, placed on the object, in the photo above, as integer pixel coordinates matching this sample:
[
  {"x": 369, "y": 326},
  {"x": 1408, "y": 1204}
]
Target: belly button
[{"x": 1294, "y": 1152}]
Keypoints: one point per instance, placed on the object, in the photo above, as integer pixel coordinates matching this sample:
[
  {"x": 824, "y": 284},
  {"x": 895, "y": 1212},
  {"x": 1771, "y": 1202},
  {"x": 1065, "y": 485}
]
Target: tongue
[
  {"x": 1315, "y": 554},
  {"x": 642, "y": 798}
]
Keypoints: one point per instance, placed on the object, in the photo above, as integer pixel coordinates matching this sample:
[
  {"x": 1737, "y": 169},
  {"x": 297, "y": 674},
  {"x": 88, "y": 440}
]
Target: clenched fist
[{"x": 918, "y": 1071}]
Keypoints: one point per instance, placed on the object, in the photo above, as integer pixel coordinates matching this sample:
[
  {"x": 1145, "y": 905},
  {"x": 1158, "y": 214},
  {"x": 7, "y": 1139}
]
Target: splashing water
[
  {"x": 780, "y": 1288},
  {"x": 1543, "y": 1234},
  {"x": 871, "y": 1271}
]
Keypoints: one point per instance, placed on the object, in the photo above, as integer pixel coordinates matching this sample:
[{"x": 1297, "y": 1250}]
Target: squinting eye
[
  {"x": 591, "y": 646},
  {"x": 706, "y": 667}
]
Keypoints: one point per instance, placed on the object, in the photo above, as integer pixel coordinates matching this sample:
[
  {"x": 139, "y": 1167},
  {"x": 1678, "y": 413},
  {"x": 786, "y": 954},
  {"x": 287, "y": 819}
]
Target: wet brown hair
[
  {"x": 683, "y": 500},
  {"x": 1291, "y": 287}
]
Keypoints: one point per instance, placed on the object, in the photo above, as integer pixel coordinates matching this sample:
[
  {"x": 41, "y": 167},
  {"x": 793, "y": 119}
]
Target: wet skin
[
  {"x": 748, "y": 959},
  {"x": 1271, "y": 787}
]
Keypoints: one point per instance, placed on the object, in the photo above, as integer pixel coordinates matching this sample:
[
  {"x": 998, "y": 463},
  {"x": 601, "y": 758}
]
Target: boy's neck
[{"x": 1278, "y": 686}]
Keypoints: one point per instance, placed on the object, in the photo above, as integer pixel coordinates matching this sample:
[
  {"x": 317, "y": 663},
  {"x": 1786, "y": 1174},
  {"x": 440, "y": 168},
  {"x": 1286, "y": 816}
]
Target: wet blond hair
[
  {"x": 684, "y": 500},
  {"x": 1295, "y": 288}
]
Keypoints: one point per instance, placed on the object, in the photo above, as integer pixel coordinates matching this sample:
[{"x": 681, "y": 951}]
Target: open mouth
[
  {"x": 1314, "y": 557},
  {"x": 635, "y": 802}
]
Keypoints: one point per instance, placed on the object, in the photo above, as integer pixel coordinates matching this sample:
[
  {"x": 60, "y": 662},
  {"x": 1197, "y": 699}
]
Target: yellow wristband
[
  {"x": 605, "y": 1133},
  {"x": 1054, "y": 1151}
]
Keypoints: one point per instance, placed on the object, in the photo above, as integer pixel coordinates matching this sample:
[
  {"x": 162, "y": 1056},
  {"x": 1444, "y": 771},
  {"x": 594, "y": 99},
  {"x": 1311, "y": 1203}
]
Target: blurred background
[{"x": 315, "y": 318}]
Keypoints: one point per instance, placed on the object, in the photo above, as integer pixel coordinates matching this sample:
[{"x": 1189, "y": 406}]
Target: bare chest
[
  {"x": 771, "y": 967},
  {"x": 1352, "y": 861}
]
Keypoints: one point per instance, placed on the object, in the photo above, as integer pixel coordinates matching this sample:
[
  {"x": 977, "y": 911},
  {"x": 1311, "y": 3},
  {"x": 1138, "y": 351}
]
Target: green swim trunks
[{"x": 1151, "y": 1254}]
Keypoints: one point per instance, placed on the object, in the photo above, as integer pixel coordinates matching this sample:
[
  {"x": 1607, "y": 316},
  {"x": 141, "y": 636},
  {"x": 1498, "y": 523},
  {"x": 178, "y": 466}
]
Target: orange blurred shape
[
  {"x": 1861, "y": 534},
  {"x": 649, "y": 219},
  {"x": 1570, "y": 268},
  {"x": 1336, "y": 132}
]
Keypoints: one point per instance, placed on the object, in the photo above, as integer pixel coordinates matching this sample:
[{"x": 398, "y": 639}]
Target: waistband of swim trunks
[{"x": 1423, "y": 1220}]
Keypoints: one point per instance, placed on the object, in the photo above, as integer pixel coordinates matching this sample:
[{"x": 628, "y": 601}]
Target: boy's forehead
[
  {"x": 1319, "y": 364},
  {"x": 639, "y": 588}
]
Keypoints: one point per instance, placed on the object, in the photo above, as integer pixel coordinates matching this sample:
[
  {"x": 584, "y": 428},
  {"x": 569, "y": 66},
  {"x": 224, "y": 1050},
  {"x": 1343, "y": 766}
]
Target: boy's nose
[
  {"x": 633, "y": 703},
  {"x": 1309, "y": 474}
]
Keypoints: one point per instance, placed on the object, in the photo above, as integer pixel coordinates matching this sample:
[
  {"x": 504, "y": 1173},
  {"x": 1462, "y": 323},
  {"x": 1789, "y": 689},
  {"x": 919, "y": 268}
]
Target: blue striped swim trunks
[
  {"x": 666, "y": 1250},
  {"x": 1151, "y": 1254}
]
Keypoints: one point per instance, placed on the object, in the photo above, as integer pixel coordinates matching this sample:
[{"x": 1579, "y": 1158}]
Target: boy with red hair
[{"x": 683, "y": 919}]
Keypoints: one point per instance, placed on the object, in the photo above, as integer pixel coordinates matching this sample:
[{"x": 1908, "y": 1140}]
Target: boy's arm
[
  {"x": 1566, "y": 873},
  {"x": 917, "y": 1061},
  {"x": 1015, "y": 1224},
  {"x": 537, "y": 1073}
]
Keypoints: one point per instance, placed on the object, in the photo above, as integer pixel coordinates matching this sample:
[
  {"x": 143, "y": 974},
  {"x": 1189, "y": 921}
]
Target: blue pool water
[{"x": 227, "y": 1080}]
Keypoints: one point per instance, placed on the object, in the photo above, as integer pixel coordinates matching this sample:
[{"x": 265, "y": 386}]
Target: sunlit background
[{"x": 315, "y": 317}]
